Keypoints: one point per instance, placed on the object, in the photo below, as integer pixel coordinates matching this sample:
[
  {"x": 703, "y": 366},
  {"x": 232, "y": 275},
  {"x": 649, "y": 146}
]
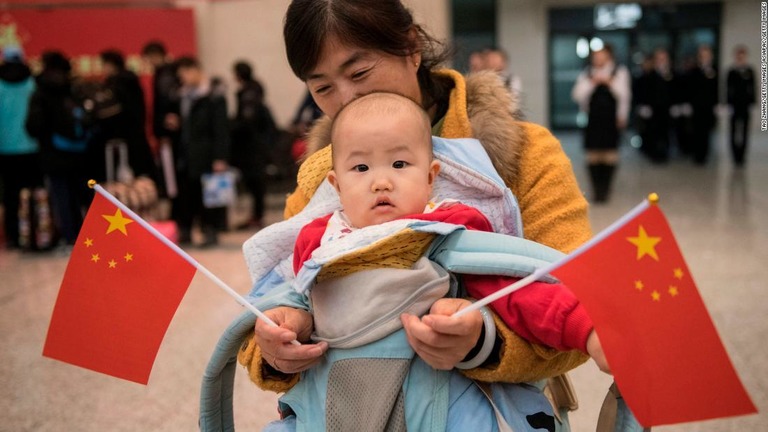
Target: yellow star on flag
[
  {"x": 645, "y": 244},
  {"x": 95, "y": 258},
  {"x": 639, "y": 285},
  {"x": 128, "y": 257},
  {"x": 117, "y": 222},
  {"x": 679, "y": 273},
  {"x": 656, "y": 296},
  {"x": 112, "y": 263},
  {"x": 673, "y": 291},
  {"x": 88, "y": 242}
]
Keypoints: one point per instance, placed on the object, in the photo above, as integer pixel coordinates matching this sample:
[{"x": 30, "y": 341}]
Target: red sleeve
[
  {"x": 458, "y": 214},
  {"x": 547, "y": 314},
  {"x": 308, "y": 240}
]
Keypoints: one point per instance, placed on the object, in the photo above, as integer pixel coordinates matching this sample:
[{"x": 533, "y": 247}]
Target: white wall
[
  {"x": 522, "y": 33},
  {"x": 253, "y": 30}
]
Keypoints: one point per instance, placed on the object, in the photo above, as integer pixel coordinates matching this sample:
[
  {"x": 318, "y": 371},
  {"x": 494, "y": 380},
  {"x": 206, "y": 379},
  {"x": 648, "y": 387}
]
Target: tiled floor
[{"x": 717, "y": 212}]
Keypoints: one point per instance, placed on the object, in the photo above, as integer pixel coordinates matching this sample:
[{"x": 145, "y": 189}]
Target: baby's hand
[{"x": 595, "y": 350}]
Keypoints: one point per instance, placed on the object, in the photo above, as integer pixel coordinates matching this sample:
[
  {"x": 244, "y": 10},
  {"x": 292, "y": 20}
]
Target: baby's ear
[
  {"x": 331, "y": 176},
  {"x": 434, "y": 169}
]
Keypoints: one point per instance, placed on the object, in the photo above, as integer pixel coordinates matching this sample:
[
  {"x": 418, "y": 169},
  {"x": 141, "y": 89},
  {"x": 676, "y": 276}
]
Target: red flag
[
  {"x": 120, "y": 291},
  {"x": 658, "y": 338}
]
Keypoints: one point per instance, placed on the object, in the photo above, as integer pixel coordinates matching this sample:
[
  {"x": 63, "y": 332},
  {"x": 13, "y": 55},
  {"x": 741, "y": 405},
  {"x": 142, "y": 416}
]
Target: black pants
[
  {"x": 658, "y": 131},
  {"x": 17, "y": 172},
  {"x": 739, "y": 134},
  {"x": 188, "y": 207},
  {"x": 256, "y": 185}
]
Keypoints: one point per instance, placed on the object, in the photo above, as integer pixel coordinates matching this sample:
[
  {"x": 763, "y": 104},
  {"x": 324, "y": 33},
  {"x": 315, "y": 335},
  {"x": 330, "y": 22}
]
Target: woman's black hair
[{"x": 384, "y": 25}]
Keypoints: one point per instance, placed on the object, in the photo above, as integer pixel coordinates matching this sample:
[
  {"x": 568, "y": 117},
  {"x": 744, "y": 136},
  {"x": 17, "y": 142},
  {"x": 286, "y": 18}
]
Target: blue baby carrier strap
[
  {"x": 479, "y": 252},
  {"x": 217, "y": 389}
]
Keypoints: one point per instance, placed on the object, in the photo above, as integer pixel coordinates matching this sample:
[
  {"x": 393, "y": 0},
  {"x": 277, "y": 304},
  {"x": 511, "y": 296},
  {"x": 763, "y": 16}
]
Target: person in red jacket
[{"x": 383, "y": 170}]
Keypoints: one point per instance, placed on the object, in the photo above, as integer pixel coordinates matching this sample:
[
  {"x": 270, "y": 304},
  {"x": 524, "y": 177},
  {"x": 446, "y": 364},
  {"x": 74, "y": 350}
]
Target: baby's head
[{"x": 382, "y": 158}]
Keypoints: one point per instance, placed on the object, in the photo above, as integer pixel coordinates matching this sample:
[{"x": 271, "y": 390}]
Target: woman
[
  {"x": 603, "y": 91},
  {"x": 343, "y": 49}
]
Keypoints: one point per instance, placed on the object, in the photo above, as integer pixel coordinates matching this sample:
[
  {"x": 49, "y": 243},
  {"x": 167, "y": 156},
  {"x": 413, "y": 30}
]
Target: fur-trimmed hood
[{"x": 493, "y": 116}]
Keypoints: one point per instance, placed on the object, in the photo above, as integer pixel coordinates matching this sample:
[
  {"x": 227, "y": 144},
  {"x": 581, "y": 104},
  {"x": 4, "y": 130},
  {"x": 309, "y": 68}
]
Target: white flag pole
[
  {"x": 240, "y": 299},
  {"x": 540, "y": 272}
]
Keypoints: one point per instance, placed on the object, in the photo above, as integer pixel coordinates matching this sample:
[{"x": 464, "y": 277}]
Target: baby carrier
[{"x": 460, "y": 251}]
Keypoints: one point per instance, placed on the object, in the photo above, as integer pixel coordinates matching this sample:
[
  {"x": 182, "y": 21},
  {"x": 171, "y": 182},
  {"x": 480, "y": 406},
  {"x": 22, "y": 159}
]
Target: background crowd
[{"x": 58, "y": 130}]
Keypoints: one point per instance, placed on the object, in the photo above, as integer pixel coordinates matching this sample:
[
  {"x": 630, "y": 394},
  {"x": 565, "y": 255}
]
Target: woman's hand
[
  {"x": 275, "y": 342},
  {"x": 595, "y": 350},
  {"x": 439, "y": 339}
]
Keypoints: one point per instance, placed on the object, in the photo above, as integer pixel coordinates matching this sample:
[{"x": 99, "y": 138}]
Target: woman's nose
[{"x": 347, "y": 93}]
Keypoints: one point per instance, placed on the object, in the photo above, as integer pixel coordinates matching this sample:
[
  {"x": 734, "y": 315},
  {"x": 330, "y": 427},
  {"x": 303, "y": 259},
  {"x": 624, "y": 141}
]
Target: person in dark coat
[
  {"x": 165, "y": 109},
  {"x": 253, "y": 133},
  {"x": 204, "y": 148},
  {"x": 641, "y": 108},
  {"x": 128, "y": 122},
  {"x": 63, "y": 138},
  {"x": 19, "y": 153},
  {"x": 681, "y": 111},
  {"x": 703, "y": 79},
  {"x": 659, "y": 99},
  {"x": 741, "y": 96}
]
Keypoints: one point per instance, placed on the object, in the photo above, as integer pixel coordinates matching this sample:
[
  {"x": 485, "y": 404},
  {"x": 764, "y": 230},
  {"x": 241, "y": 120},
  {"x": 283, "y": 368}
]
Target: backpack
[{"x": 73, "y": 123}]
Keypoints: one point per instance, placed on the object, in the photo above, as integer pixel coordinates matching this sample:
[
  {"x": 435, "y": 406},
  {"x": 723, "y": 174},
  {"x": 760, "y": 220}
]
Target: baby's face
[{"x": 383, "y": 168}]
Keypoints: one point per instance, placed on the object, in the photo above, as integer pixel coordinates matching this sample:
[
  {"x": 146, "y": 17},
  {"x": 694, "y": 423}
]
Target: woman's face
[{"x": 344, "y": 73}]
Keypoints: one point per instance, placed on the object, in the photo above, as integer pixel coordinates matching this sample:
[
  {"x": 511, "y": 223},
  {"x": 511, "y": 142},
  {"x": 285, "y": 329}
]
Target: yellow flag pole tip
[
  {"x": 653, "y": 198},
  {"x": 91, "y": 183}
]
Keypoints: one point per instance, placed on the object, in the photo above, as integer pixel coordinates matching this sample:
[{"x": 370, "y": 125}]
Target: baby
[
  {"x": 383, "y": 171},
  {"x": 364, "y": 270}
]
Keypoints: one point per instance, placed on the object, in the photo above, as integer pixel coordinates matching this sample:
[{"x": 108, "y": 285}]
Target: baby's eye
[
  {"x": 360, "y": 168},
  {"x": 399, "y": 164}
]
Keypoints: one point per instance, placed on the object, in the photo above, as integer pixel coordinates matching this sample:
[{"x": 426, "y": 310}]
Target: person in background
[
  {"x": 165, "y": 109},
  {"x": 204, "y": 148},
  {"x": 496, "y": 59},
  {"x": 640, "y": 101},
  {"x": 681, "y": 110},
  {"x": 253, "y": 132},
  {"x": 604, "y": 92},
  {"x": 127, "y": 121},
  {"x": 57, "y": 120},
  {"x": 658, "y": 99},
  {"x": 19, "y": 153},
  {"x": 306, "y": 115},
  {"x": 740, "y": 97},
  {"x": 476, "y": 61},
  {"x": 704, "y": 82}
]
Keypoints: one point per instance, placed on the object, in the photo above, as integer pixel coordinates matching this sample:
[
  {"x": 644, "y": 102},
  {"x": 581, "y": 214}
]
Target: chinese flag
[
  {"x": 658, "y": 338},
  {"x": 120, "y": 291}
]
